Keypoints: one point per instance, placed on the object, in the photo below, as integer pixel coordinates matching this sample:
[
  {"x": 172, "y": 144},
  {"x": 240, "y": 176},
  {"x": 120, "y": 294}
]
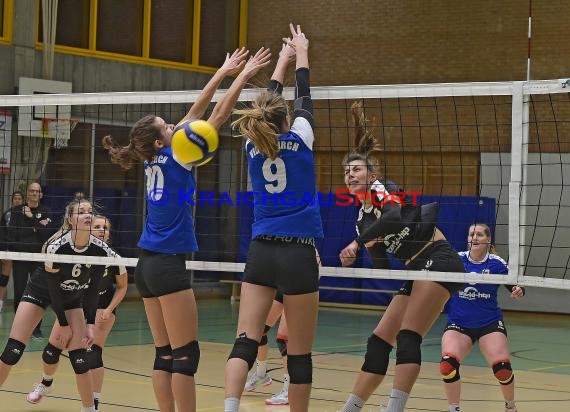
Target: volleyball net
[{"x": 495, "y": 153}]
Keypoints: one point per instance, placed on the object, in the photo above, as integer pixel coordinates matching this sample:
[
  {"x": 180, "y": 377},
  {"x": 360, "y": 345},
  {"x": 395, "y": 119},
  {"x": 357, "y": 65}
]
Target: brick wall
[{"x": 419, "y": 41}]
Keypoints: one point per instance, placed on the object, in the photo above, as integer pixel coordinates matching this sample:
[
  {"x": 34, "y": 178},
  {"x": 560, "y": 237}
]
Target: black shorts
[
  {"x": 105, "y": 298},
  {"x": 440, "y": 257},
  {"x": 40, "y": 297},
  {"x": 159, "y": 274},
  {"x": 279, "y": 297},
  {"x": 477, "y": 333},
  {"x": 287, "y": 264},
  {"x": 406, "y": 288}
]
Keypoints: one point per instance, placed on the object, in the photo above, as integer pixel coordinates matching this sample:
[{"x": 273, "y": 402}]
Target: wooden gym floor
[{"x": 539, "y": 345}]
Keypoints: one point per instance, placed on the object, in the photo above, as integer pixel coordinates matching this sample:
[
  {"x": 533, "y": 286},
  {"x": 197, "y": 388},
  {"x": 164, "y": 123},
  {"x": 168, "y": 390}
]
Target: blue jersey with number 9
[
  {"x": 169, "y": 227},
  {"x": 284, "y": 189}
]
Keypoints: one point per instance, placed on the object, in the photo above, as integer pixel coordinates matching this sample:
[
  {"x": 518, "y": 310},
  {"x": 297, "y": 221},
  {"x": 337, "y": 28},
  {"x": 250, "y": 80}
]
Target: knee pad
[
  {"x": 300, "y": 368},
  {"x": 264, "y": 340},
  {"x": 186, "y": 359},
  {"x": 163, "y": 359},
  {"x": 377, "y": 356},
  {"x": 245, "y": 349},
  {"x": 4, "y": 280},
  {"x": 408, "y": 347},
  {"x": 95, "y": 357},
  {"x": 51, "y": 354},
  {"x": 282, "y": 345},
  {"x": 449, "y": 369},
  {"x": 503, "y": 371},
  {"x": 12, "y": 352},
  {"x": 79, "y": 361}
]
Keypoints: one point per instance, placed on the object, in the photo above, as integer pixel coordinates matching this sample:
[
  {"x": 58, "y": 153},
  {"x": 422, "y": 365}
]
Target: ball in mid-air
[{"x": 194, "y": 142}]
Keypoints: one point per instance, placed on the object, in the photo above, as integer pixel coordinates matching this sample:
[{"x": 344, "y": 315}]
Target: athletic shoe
[
  {"x": 255, "y": 380},
  {"x": 513, "y": 409},
  {"x": 281, "y": 398},
  {"x": 38, "y": 393}
]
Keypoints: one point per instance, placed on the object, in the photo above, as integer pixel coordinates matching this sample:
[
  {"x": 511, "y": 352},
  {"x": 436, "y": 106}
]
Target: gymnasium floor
[{"x": 539, "y": 345}]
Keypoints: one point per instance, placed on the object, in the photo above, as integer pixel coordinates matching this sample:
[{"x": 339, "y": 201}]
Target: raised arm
[
  {"x": 303, "y": 106},
  {"x": 224, "y": 107},
  {"x": 286, "y": 55},
  {"x": 232, "y": 64}
]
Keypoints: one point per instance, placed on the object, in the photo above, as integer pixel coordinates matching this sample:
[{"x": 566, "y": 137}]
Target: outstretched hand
[
  {"x": 234, "y": 62},
  {"x": 298, "y": 41},
  {"x": 287, "y": 51},
  {"x": 256, "y": 62}
]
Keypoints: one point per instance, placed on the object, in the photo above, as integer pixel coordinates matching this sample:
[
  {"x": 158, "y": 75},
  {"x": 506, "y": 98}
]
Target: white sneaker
[
  {"x": 38, "y": 393},
  {"x": 255, "y": 380},
  {"x": 281, "y": 398}
]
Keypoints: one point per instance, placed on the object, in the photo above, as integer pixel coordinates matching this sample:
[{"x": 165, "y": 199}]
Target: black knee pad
[
  {"x": 163, "y": 359},
  {"x": 95, "y": 357},
  {"x": 377, "y": 356},
  {"x": 282, "y": 345},
  {"x": 4, "y": 280},
  {"x": 79, "y": 361},
  {"x": 51, "y": 354},
  {"x": 186, "y": 359},
  {"x": 503, "y": 371},
  {"x": 12, "y": 352},
  {"x": 408, "y": 347},
  {"x": 300, "y": 368},
  {"x": 264, "y": 340},
  {"x": 449, "y": 369},
  {"x": 245, "y": 349}
]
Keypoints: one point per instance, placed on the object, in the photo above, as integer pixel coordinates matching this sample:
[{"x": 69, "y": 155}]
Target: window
[
  {"x": 167, "y": 33},
  {"x": 75, "y": 31},
  {"x": 6, "y": 7},
  {"x": 171, "y": 33},
  {"x": 120, "y": 26},
  {"x": 219, "y": 31}
]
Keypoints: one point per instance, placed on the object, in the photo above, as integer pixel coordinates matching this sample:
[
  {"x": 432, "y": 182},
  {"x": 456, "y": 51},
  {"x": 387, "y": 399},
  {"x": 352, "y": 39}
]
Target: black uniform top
[
  {"x": 27, "y": 234},
  {"x": 367, "y": 216},
  {"x": 74, "y": 280},
  {"x": 5, "y": 223},
  {"x": 107, "y": 283},
  {"x": 403, "y": 228}
]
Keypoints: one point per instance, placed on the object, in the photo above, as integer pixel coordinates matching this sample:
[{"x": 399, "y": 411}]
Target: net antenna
[
  {"x": 59, "y": 129},
  {"x": 49, "y": 20}
]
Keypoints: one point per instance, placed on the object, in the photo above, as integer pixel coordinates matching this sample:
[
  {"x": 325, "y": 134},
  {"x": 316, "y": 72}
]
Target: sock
[
  {"x": 454, "y": 407},
  {"x": 397, "y": 401},
  {"x": 231, "y": 405},
  {"x": 510, "y": 405},
  {"x": 261, "y": 368},
  {"x": 96, "y": 398},
  {"x": 47, "y": 380},
  {"x": 286, "y": 382},
  {"x": 353, "y": 404},
  {"x": 88, "y": 409}
]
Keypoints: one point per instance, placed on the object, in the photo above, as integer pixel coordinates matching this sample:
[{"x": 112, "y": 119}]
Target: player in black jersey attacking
[
  {"x": 109, "y": 298},
  {"x": 389, "y": 224},
  {"x": 72, "y": 291}
]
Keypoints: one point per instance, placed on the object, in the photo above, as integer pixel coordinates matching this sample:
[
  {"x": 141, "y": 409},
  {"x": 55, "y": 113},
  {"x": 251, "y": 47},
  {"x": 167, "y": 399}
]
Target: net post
[{"x": 515, "y": 229}]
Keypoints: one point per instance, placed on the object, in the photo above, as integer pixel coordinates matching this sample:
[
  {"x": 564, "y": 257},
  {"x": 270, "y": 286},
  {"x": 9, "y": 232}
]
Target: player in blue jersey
[
  {"x": 282, "y": 252},
  {"x": 474, "y": 315},
  {"x": 168, "y": 235},
  {"x": 109, "y": 298},
  {"x": 362, "y": 178},
  {"x": 71, "y": 289}
]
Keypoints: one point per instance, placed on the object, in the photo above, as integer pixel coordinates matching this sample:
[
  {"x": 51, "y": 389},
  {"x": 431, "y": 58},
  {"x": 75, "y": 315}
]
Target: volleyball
[{"x": 194, "y": 142}]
